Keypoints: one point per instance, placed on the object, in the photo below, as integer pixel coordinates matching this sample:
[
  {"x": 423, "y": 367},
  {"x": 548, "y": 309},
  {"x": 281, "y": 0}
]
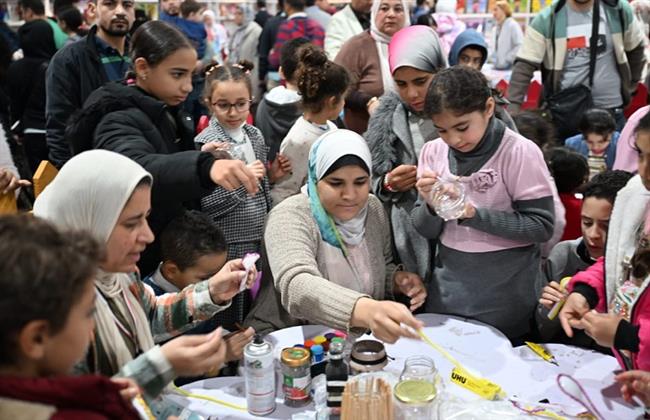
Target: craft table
[{"x": 479, "y": 347}]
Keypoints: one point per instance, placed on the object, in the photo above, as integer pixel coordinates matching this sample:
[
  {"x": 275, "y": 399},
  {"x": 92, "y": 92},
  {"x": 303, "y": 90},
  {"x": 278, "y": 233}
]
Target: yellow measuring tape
[
  {"x": 208, "y": 398},
  {"x": 460, "y": 376}
]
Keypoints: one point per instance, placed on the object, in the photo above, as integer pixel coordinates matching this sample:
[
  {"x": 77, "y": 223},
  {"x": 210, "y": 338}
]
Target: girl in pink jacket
[{"x": 610, "y": 300}]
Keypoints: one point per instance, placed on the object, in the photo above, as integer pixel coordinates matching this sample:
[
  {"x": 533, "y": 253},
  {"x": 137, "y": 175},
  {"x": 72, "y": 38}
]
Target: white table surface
[{"x": 479, "y": 347}]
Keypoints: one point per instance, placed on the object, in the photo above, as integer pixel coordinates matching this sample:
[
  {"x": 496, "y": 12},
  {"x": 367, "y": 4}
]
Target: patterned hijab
[{"x": 324, "y": 153}]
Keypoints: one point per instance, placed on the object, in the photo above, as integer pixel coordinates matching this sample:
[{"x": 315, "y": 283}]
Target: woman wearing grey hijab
[
  {"x": 244, "y": 41},
  {"x": 396, "y": 133}
]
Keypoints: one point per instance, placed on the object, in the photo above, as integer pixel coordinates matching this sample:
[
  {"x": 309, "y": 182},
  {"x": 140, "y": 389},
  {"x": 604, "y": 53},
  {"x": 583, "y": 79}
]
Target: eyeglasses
[{"x": 225, "y": 107}]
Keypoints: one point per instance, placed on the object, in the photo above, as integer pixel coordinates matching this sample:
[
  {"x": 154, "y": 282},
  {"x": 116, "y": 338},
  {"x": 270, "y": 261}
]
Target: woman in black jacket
[
  {"x": 142, "y": 120},
  {"x": 26, "y": 89}
]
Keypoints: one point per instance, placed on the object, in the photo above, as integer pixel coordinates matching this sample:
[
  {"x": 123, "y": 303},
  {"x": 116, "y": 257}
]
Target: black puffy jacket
[{"x": 126, "y": 120}]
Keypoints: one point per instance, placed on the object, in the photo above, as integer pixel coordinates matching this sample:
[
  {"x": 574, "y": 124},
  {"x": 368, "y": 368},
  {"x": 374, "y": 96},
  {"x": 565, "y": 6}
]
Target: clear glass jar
[
  {"x": 419, "y": 368},
  {"x": 448, "y": 199},
  {"x": 296, "y": 376},
  {"x": 415, "y": 400}
]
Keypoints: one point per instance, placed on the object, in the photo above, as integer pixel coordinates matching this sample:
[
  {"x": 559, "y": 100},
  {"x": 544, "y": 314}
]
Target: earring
[{"x": 144, "y": 76}]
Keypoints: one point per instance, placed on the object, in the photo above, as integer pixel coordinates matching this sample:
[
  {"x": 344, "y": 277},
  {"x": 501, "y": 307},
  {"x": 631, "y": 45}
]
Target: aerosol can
[{"x": 260, "y": 377}]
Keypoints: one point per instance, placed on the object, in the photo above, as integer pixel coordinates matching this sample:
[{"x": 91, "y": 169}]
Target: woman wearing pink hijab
[{"x": 396, "y": 133}]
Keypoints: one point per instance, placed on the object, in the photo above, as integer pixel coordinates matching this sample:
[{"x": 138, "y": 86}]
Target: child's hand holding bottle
[
  {"x": 258, "y": 169},
  {"x": 445, "y": 196},
  {"x": 426, "y": 182}
]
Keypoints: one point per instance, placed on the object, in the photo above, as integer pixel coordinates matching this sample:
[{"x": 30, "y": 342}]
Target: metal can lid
[
  {"x": 415, "y": 391},
  {"x": 295, "y": 356},
  {"x": 258, "y": 346}
]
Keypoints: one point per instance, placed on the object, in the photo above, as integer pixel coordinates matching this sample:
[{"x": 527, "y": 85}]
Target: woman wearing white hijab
[
  {"x": 108, "y": 195},
  {"x": 329, "y": 249},
  {"x": 366, "y": 57},
  {"x": 217, "y": 35}
]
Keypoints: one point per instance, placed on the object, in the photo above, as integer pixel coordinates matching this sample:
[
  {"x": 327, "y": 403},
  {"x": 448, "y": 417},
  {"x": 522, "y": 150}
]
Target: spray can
[{"x": 259, "y": 376}]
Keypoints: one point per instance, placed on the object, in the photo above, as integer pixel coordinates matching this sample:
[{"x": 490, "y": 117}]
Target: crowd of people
[{"x": 322, "y": 141}]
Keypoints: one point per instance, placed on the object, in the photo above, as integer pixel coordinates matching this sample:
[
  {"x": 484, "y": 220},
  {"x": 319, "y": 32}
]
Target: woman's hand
[
  {"x": 195, "y": 355},
  {"x": 385, "y": 319},
  {"x": 129, "y": 389},
  {"x": 426, "y": 182},
  {"x": 258, "y": 169},
  {"x": 230, "y": 174},
  {"x": 552, "y": 294},
  {"x": 574, "y": 309},
  {"x": 635, "y": 383},
  {"x": 403, "y": 177},
  {"x": 372, "y": 104},
  {"x": 280, "y": 167},
  {"x": 600, "y": 327},
  {"x": 225, "y": 284},
  {"x": 9, "y": 183},
  {"x": 235, "y": 343},
  {"x": 411, "y": 285}
]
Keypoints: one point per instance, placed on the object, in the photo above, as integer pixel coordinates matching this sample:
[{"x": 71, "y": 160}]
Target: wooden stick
[{"x": 368, "y": 401}]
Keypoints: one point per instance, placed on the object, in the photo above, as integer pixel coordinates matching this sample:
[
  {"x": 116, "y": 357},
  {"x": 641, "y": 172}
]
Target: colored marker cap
[
  {"x": 319, "y": 339},
  {"x": 317, "y": 353}
]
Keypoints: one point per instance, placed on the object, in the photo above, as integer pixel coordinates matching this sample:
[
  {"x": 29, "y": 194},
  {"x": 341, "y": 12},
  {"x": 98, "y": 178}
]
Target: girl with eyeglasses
[
  {"x": 241, "y": 216},
  {"x": 322, "y": 85}
]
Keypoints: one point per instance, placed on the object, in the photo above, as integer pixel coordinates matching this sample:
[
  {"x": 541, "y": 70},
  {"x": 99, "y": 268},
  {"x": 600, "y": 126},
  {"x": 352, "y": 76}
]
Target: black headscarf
[{"x": 36, "y": 38}]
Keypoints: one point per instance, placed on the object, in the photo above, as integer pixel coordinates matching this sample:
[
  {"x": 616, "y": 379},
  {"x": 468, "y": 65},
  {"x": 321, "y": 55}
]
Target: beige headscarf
[{"x": 89, "y": 193}]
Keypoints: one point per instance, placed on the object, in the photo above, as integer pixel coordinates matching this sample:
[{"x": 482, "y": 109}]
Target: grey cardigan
[
  {"x": 293, "y": 244},
  {"x": 389, "y": 139}
]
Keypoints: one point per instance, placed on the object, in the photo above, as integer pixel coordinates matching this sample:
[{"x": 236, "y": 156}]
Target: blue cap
[{"x": 317, "y": 353}]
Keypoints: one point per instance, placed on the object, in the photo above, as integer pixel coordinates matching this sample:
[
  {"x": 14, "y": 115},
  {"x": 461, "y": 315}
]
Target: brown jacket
[{"x": 360, "y": 57}]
